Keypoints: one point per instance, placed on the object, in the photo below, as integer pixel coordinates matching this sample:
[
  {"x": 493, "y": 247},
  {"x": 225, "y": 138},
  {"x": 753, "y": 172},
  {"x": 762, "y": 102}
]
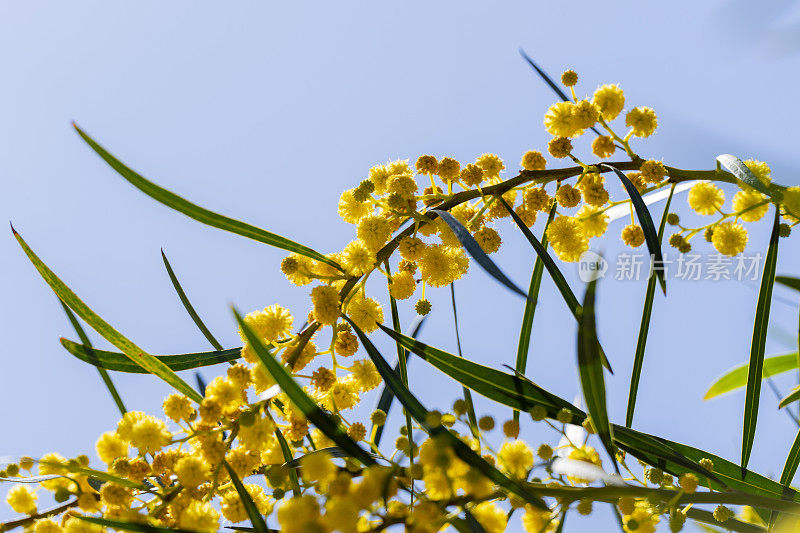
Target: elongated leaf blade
[
  {"x": 473, "y": 420},
  {"x": 476, "y": 252},
  {"x": 198, "y": 213},
  {"x": 591, "y": 372},
  {"x": 524, "y": 342},
  {"x": 788, "y": 281},
  {"x": 256, "y": 518},
  {"x": 289, "y": 458},
  {"x": 736, "y": 378},
  {"x": 112, "y": 389},
  {"x": 133, "y": 352},
  {"x": 519, "y": 393},
  {"x": 188, "y": 305},
  {"x": 756, "y": 366},
  {"x": 790, "y": 398},
  {"x": 386, "y": 397},
  {"x": 555, "y": 273},
  {"x": 792, "y": 462},
  {"x": 120, "y": 363},
  {"x": 644, "y": 326},
  {"x": 736, "y": 166},
  {"x": 299, "y": 398},
  {"x": 646, "y": 221},
  {"x": 419, "y": 413},
  {"x": 137, "y": 527}
]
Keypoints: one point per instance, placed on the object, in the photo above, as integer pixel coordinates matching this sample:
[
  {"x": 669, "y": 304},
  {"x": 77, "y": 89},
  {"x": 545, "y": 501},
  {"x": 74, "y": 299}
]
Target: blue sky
[{"x": 266, "y": 112}]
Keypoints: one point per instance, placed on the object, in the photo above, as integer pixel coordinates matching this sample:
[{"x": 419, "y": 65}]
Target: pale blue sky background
[{"x": 267, "y": 111}]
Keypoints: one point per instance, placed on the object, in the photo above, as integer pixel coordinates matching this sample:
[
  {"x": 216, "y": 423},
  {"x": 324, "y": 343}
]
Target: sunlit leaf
[{"x": 736, "y": 378}]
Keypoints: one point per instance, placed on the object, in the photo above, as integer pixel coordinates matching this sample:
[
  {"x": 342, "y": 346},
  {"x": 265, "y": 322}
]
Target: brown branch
[{"x": 8, "y": 526}]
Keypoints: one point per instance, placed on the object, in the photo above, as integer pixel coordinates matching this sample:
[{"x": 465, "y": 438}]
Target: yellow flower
[
  {"x": 366, "y": 375},
  {"x": 346, "y": 343},
  {"x": 706, "y": 198},
  {"x": 603, "y": 146},
  {"x": 343, "y": 393},
  {"x": 537, "y": 199},
  {"x": 471, "y": 175},
  {"x": 273, "y": 323},
  {"x": 199, "y": 516},
  {"x": 567, "y": 239},
  {"x": 568, "y": 196},
  {"x": 791, "y": 203},
  {"x": 149, "y": 435},
  {"x": 365, "y": 313},
  {"x": 609, "y": 100},
  {"x": 516, "y": 457},
  {"x": 352, "y": 210},
  {"x": 297, "y": 268},
  {"x": 326, "y": 304},
  {"x": 491, "y": 517},
  {"x": 318, "y": 467},
  {"x": 46, "y": 525},
  {"x": 373, "y": 232},
  {"x": 585, "y": 114},
  {"x": 633, "y": 235},
  {"x": 533, "y": 160},
  {"x": 411, "y": 248},
  {"x": 191, "y": 470},
  {"x": 177, "y": 407},
  {"x": 76, "y": 525},
  {"x": 491, "y": 165},
  {"x": 761, "y": 171},
  {"x": 593, "y": 222},
  {"x": 357, "y": 258},
  {"x": 560, "y": 121},
  {"x": 652, "y": 171},
  {"x": 299, "y": 515},
  {"x": 402, "y": 285},
  {"x": 749, "y": 200},
  {"x": 536, "y": 520},
  {"x": 234, "y": 510},
  {"x": 427, "y": 164},
  {"x": 21, "y": 499},
  {"x": 341, "y": 513},
  {"x": 569, "y": 78},
  {"x": 488, "y": 239},
  {"x": 438, "y": 265},
  {"x": 642, "y": 121},
  {"x": 110, "y": 446},
  {"x": 449, "y": 169},
  {"x": 729, "y": 238}
]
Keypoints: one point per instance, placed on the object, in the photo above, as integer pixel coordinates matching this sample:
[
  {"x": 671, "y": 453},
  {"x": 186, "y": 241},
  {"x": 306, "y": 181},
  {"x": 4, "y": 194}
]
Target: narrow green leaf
[
  {"x": 476, "y": 252},
  {"x": 92, "y": 473},
  {"x": 299, "y": 398},
  {"x": 646, "y": 222},
  {"x": 133, "y": 352},
  {"x": 419, "y": 413},
  {"x": 201, "y": 383},
  {"x": 91, "y": 354},
  {"x": 387, "y": 396},
  {"x": 255, "y": 516},
  {"x": 787, "y": 281},
  {"x": 792, "y": 462},
  {"x": 555, "y": 273},
  {"x": 736, "y": 378},
  {"x": 736, "y": 166},
  {"x": 198, "y": 213},
  {"x": 519, "y": 393},
  {"x": 756, "y": 366},
  {"x": 473, "y": 420},
  {"x": 590, "y": 369},
  {"x": 137, "y": 527},
  {"x": 120, "y": 363},
  {"x": 333, "y": 451},
  {"x": 707, "y": 517},
  {"x": 289, "y": 458},
  {"x": 790, "y": 398},
  {"x": 530, "y": 307},
  {"x": 188, "y": 305},
  {"x": 474, "y": 525},
  {"x": 644, "y": 327}
]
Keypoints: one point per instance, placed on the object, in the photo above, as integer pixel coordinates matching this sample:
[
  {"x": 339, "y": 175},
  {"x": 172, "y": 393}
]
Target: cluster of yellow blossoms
[{"x": 178, "y": 474}]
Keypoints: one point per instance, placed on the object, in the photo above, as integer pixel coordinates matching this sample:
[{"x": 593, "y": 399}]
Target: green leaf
[
  {"x": 790, "y": 398},
  {"x": 590, "y": 369},
  {"x": 473, "y": 420},
  {"x": 120, "y": 363},
  {"x": 646, "y": 221},
  {"x": 644, "y": 327},
  {"x": 555, "y": 273},
  {"x": 419, "y": 413},
  {"x": 387, "y": 395},
  {"x": 289, "y": 458},
  {"x": 198, "y": 213},
  {"x": 756, "y": 366},
  {"x": 787, "y": 281},
  {"x": 134, "y": 526},
  {"x": 188, "y": 305},
  {"x": 530, "y": 306},
  {"x": 133, "y": 352},
  {"x": 474, "y": 525},
  {"x": 476, "y": 252},
  {"x": 92, "y": 473},
  {"x": 256, "y": 518},
  {"x": 90, "y": 352},
  {"x": 792, "y": 462},
  {"x": 300, "y": 399},
  {"x": 736, "y": 378},
  {"x": 736, "y": 166},
  {"x": 522, "y": 394}
]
